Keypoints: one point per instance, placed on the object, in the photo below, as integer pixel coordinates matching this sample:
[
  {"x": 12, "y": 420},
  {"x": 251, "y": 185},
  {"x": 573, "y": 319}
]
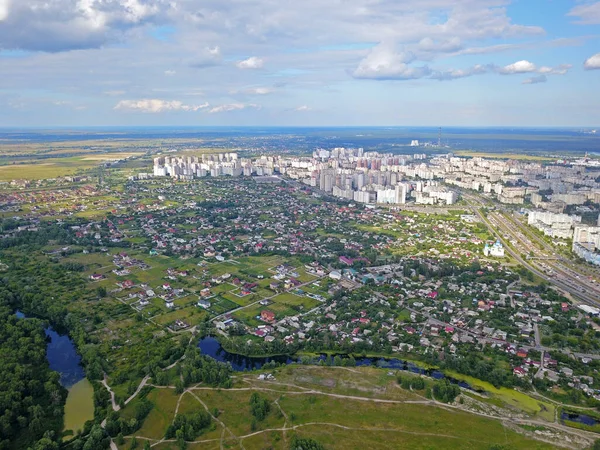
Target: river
[
  {"x": 210, "y": 346},
  {"x": 63, "y": 358}
]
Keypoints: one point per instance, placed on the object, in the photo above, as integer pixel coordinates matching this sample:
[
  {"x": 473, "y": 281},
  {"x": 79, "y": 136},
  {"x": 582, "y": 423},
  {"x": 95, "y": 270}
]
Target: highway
[
  {"x": 558, "y": 271},
  {"x": 564, "y": 282}
]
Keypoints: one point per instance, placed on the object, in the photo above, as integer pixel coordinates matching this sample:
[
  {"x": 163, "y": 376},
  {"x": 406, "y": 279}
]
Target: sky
[{"x": 300, "y": 63}]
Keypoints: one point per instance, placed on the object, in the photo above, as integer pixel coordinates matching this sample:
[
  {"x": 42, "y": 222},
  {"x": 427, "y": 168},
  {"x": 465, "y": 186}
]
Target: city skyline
[{"x": 134, "y": 63}]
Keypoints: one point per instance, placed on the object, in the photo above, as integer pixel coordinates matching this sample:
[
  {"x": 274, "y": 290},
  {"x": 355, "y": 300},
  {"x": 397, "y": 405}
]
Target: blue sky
[{"x": 267, "y": 62}]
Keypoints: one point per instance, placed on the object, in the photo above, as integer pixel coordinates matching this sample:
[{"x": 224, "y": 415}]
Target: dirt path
[
  {"x": 344, "y": 427},
  {"x": 225, "y": 428},
  {"x": 112, "y": 394},
  {"x": 139, "y": 388},
  {"x": 285, "y": 416}
]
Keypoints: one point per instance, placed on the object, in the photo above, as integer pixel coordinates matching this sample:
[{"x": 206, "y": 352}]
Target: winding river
[{"x": 211, "y": 347}]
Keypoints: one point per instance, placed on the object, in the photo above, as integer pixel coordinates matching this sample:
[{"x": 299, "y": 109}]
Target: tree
[
  {"x": 259, "y": 406},
  {"x": 305, "y": 444}
]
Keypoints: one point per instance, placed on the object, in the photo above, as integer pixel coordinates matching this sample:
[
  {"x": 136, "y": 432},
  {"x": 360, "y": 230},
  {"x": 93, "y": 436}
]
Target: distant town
[{"x": 557, "y": 195}]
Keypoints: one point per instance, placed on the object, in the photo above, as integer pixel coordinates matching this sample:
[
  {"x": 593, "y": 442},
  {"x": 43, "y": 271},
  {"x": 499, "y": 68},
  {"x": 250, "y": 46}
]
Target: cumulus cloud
[
  {"x": 588, "y": 14},
  {"x": 303, "y": 108},
  {"x": 251, "y": 63},
  {"x": 535, "y": 80},
  {"x": 385, "y": 63},
  {"x": 400, "y": 70},
  {"x": 232, "y": 107},
  {"x": 522, "y": 66},
  {"x": 42, "y": 25},
  {"x": 592, "y": 63},
  {"x": 157, "y": 106}
]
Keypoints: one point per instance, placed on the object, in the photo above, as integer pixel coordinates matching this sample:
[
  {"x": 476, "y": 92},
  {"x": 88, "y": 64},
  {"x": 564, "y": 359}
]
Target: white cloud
[
  {"x": 157, "y": 106},
  {"x": 303, "y": 108},
  {"x": 588, "y": 14},
  {"x": 384, "y": 63},
  {"x": 522, "y": 66},
  {"x": 453, "y": 74},
  {"x": 558, "y": 70},
  {"x": 252, "y": 91},
  {"x": 170, "y": 72},
  {"x": 427, "y": 44},
  {"x": 259, "y": 91},
  {"x": 53, "y": 26},
  {"x": 592, "y": 63},
  {"x": 232, "y": 107},
  {"x": 525, "y": 66},
  {"x": 251, "y": 63},
  {"x": 489, "y": 49},
  {"x": 536, "y": 80},
  {"x": 207, "y": 57},
  {"x": 403, "y": 71},
  {"x": 4, "y": 7}
]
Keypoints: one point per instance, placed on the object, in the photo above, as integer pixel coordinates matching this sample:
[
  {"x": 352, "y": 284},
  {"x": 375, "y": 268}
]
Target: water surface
[{"x": 80, "y": 405}]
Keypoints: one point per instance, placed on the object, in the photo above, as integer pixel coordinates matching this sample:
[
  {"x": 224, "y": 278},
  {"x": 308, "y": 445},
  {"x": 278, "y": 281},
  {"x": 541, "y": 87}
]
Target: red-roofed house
[
  {"x": 267, "y": 316},
  {"x": 346, "y": 260},
  {"x": 519, "y": 371}
]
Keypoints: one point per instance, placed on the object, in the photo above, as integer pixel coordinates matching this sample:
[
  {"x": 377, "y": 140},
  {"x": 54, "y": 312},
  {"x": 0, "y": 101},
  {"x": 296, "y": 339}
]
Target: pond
[
  {"x": 80, "y": 405},
  {"x": 579, "y": 418},
  {"x": 63, "y": 358},
  {"x": 211, "y": 347}
]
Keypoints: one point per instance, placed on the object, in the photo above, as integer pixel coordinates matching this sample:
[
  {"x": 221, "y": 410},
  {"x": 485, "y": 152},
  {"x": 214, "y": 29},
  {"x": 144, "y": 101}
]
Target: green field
[
  {"x": 337, "y": 407},
  {"x": 510, "y": 397},
  {"x": 55, "y": 167}
]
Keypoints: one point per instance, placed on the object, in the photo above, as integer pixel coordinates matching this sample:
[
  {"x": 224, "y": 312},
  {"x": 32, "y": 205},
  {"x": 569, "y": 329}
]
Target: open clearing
[{"x": 343, "y": 408}]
